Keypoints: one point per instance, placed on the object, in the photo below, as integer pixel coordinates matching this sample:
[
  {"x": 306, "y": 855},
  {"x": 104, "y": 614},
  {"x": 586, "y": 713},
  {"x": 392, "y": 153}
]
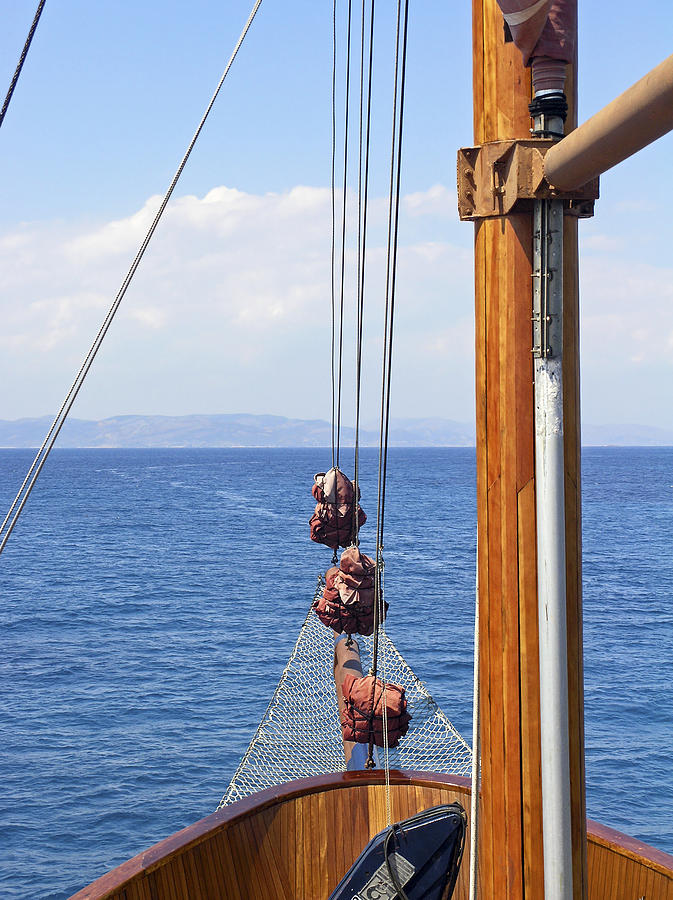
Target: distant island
[{"x": 243, "y": 430}]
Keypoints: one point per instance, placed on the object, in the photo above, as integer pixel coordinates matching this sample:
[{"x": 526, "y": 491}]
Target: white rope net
[{"x": 300, "y": 734}]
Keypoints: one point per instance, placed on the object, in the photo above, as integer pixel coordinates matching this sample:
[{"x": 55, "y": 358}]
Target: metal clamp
[
  {"x": 502, "y": 177},
  {"x": 547, "y": 278}
]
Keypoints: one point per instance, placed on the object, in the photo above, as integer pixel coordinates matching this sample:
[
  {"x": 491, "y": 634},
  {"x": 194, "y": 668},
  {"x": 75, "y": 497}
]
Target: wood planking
[
  {"x": 616, "y": 877},
  {"x": 623, "y": 868},
  {"x": 505, "y": 429},
  {"x": 296, "y": 846},
  {"x": 506, "y": 467},
  {"x": 511, "y": 821},
  {"x": 486, "y": 846},
  {"x": 226, "y": 865},
  {"x": 530, "y": 687},
  {"x": 302, "y": 884},
  {"x": 490, "y": 664}
]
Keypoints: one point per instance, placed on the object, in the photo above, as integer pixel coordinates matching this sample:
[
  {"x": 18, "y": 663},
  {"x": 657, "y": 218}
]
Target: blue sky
[{"x": 230, "y": 311}]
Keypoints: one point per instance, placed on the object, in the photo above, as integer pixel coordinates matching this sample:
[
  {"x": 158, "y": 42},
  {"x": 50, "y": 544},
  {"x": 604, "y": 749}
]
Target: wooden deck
[{"x": 284, "y": 843}]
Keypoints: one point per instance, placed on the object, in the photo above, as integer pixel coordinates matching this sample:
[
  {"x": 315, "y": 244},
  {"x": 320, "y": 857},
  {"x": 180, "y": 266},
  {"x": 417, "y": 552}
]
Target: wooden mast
[{"x": 510, "y": 857}]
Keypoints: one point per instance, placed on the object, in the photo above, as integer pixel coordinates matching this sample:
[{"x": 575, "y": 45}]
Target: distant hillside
[
  {"x": 277, "y": 431},
  {"x": 626, "y": 436},
  {"x": 227, "y": 431}
]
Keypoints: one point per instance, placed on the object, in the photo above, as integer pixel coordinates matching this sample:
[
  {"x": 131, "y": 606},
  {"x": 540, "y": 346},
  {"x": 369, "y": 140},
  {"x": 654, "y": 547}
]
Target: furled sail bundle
[
  {"x": 332, "y": 521},
  {"x": 363, "y": 715},
  {"x": 544, "y": 31},
  {"x": 347, "y": 602}
]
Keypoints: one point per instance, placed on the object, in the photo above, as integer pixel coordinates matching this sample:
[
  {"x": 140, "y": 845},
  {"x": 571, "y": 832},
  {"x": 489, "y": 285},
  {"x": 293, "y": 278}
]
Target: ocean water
[{"x": 150, "y": 599}]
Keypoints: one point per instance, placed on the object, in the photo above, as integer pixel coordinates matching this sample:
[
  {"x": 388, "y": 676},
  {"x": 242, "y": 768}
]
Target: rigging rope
[
  {"x": 343, "y": 234},
  {"x": 386, "y": 748},
  {"x": 391, "y": 282},
  {"x": 22, "y": 59},
  {"x": 363, "y": 194},
  {"x": 41, "y": 457},
  {"x": 334, "y": 66}
]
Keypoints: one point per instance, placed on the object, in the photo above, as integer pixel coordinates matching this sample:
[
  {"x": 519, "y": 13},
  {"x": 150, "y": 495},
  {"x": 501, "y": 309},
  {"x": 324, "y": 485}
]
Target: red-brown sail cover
[
  {"x": 359, "y": 721},
  {"x": 542, "y": 28},
  {"x": 332, "y": 521},
  {"x": 347, "y": 602}
]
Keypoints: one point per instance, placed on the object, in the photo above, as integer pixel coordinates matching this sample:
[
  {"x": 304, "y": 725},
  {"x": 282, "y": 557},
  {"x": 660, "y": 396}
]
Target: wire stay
[{"x": 41, "y": 457}]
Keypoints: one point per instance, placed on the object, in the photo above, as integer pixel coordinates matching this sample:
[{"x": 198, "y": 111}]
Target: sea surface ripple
[{"x": 150, "y": 599}]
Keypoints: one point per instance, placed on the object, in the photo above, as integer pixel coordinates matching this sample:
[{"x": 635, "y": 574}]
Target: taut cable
[
  {"x": 363, "y": 192},
  {"x": 22, "y": 59},
  {"x": 41, "y": 457},
  {"x": 343, "y": 232},
  {"x": 333, "y": 256},
  {"x": 393, "y": 227}
]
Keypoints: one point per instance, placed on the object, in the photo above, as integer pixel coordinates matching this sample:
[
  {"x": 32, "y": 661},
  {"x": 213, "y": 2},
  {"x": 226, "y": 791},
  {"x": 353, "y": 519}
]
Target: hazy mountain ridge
[
  {"x": 227, "y": 430},
  {"x": 245, "y": 430}
]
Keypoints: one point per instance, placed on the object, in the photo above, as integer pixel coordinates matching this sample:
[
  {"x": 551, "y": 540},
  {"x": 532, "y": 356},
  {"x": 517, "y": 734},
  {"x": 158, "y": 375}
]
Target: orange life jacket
[
  {"x": 347, "y": 602},
  {"x": 332, "y": 521},
  {"x": 361, "y": 718}
]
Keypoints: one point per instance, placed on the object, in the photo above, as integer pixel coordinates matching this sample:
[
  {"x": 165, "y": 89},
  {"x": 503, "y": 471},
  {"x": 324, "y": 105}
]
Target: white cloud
[
  {"x": 44, "y": 324},
  {"x": 150, "y": 316},
  {"x": 234, "y": 291},
  {"x": 627, "y": 350},
  {"x": 627, "y": 310},
  {"x": 230, "y": 311},
  {"x": 437, "y": 200},
  {"x": 114, "y": 238},
  {"x": 602, "y": 243}
]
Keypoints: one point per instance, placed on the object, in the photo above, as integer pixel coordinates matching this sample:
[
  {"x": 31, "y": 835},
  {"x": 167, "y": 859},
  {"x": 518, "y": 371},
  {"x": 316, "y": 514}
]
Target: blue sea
[{"x": 145, "y": 593}]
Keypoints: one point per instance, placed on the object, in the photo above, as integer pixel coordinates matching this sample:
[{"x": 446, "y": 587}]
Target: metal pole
[
  {"x": 637, "y": 117},
  {"x": 551, "y": 555}
]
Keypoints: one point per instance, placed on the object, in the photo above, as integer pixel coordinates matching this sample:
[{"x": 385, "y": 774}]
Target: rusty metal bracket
[{"x": 502, "y": 177}]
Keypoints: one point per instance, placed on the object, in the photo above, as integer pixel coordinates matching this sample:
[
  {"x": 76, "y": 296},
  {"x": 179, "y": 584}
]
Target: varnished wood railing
[{"x": 296, "y": 842}]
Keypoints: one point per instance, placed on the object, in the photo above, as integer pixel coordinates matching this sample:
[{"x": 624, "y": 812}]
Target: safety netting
[{"x": 300, "y": 734}]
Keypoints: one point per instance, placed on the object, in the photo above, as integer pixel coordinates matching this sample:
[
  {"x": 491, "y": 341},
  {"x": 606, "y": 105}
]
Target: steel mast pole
[{"x": 550, "y": 525}]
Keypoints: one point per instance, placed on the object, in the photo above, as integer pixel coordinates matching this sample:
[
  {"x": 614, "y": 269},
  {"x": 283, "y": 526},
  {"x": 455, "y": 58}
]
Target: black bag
[{"x": 417, "y": 859}]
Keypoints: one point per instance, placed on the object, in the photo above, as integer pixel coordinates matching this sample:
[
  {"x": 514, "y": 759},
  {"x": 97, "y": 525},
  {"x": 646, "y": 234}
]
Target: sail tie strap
[
  {"x": 41, "y": 457},
  {"x": 518, "y": 17}
]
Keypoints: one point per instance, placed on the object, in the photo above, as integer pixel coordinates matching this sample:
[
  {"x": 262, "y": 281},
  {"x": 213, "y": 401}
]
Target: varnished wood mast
[{"x": 511, "y": 864}]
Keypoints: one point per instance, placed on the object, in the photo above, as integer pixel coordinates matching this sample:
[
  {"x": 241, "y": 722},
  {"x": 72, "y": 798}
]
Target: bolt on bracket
[
  {"x": 502, "y": 177},
  {"x": 547, "y": 279}
]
